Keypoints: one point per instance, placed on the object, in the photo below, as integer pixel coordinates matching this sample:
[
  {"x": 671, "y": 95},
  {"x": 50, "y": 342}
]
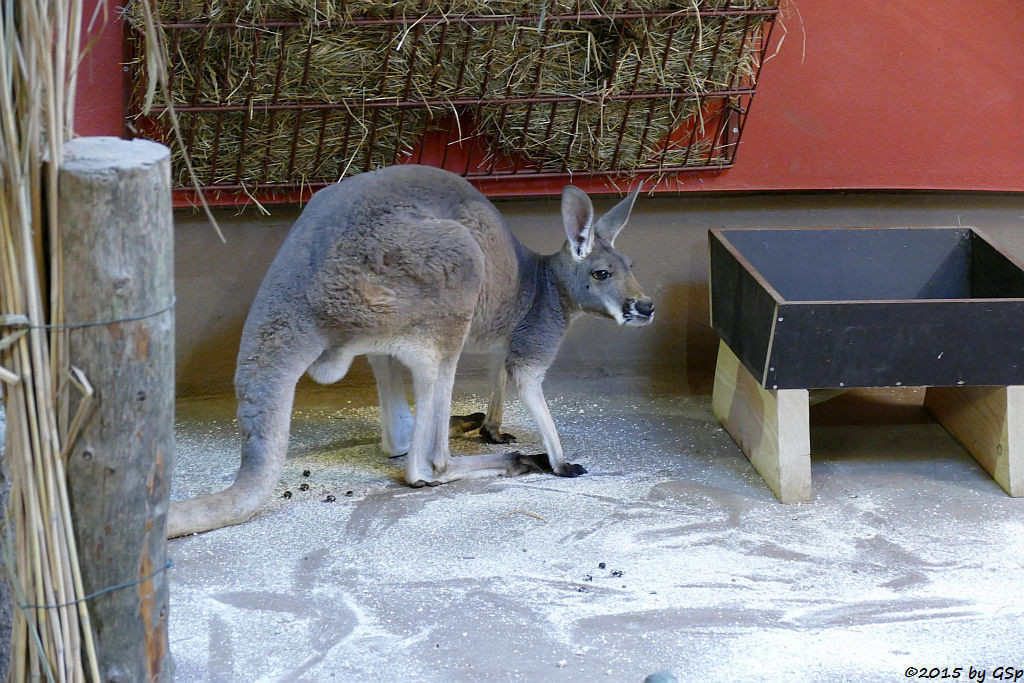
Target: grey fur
[{"x": 409, "y": 265}]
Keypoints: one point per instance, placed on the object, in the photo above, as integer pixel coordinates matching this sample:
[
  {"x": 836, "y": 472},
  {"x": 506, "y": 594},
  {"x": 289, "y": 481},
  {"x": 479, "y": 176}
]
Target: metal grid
[{"x": 708, "y": 139}]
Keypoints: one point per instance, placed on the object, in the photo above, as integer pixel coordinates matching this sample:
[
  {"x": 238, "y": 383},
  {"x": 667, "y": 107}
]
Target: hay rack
[{"x": 283, "y": 97}]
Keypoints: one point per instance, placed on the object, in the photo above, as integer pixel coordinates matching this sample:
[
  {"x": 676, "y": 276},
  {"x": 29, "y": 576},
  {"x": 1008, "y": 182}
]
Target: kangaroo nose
[{"x": 644, "y": 306}]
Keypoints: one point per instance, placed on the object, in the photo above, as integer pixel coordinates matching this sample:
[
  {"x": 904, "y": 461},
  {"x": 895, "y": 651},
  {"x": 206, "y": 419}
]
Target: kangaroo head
[{"x": 597, "y": 277}]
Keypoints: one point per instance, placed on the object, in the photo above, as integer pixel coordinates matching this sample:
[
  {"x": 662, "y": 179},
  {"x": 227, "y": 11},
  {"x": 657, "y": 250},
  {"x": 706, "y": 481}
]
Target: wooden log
[
  {"x": 772, "y": 428},
  {"x": 117, "y": 250},
  {"x": 989, "y": 423}
]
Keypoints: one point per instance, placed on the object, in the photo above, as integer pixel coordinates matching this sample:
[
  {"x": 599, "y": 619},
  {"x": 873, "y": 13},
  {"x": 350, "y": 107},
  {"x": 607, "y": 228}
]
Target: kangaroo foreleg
[
  {"x": 532, "y": 396},
  {"x": 490, "y": 431}
]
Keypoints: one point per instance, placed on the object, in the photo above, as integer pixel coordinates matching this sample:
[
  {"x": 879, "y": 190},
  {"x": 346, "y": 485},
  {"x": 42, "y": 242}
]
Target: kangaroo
[{"x": 409, "y": 265}]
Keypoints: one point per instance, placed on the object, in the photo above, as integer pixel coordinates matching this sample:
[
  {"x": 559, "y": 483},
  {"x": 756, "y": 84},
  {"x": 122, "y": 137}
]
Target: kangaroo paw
[
  {"x": 570, "y": 469},
  {"x": 460, "y": 424},
  {"x": 495, "y": 437}
]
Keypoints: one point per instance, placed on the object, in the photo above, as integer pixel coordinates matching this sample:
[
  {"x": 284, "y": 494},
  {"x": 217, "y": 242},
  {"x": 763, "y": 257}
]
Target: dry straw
[
  {"x": 249, "y": 66},
  {"x": 51, "y": 634},
  {"x": 264, "y": 73},
  {"x": 673, "y": 55}
]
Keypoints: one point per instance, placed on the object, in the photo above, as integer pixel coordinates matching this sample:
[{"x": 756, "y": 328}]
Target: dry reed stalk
[{"x": 52, "y": 634}]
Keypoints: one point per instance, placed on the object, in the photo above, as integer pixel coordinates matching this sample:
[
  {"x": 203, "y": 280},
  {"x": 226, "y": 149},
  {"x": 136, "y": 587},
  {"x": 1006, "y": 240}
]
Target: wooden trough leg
[
  {"x": 989, "y": 423},
  {"x": 770, "y": 427}
]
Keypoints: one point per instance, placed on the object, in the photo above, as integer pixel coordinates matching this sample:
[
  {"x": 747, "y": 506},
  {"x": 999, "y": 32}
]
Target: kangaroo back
[{"x": 388, "y": 248}]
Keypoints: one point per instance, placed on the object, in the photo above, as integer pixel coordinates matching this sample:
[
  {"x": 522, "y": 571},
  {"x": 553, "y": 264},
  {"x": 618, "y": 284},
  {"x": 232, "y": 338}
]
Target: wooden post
[
  {"x": 989, "y": 423},
  {"x": 115, "y": 213},
  {"x": 772, "y": 428}
]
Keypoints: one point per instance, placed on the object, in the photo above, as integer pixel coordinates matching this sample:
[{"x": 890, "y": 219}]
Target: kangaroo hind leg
[
  {"x": 433, "y": 375},
  {"x": 429, "y": 460},
  {"x": 396, "y": 421}
]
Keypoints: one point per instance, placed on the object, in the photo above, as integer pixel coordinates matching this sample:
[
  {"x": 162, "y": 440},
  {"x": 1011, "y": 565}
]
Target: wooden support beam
[
  {"x": 989, "y": 423},
  {"x": 117, "y": 251},
  {"x": 771, "y": 427}
]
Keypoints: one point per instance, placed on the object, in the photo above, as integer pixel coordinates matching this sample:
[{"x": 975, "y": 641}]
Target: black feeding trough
[{"x": 833, "y": 308}]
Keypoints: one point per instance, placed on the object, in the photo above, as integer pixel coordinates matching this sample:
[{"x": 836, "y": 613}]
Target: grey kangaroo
[{"x": 409, "y": 265}]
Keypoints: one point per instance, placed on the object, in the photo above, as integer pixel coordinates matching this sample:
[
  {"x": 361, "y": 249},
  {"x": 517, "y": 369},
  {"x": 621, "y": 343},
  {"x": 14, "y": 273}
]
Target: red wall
[
  {"x": 101, "y": 78},
  {"x": 904, "y": 94}
]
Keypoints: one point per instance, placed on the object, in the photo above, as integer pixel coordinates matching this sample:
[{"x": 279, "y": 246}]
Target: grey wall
[{"x": 666, "y": 238}]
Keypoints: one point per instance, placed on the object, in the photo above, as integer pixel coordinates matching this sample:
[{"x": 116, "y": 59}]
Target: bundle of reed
[{"x": 51, "y": 634}]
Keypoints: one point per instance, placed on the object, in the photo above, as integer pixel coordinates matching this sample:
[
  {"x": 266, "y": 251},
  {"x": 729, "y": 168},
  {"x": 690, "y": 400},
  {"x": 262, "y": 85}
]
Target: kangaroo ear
[
  {"x": 609, "y": 225},
  {"x": 578, "y": 219}
]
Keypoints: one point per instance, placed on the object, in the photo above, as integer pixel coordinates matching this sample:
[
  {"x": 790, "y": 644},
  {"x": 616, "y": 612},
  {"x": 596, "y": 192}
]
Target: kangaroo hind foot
[{"x": 483, "y": 466}]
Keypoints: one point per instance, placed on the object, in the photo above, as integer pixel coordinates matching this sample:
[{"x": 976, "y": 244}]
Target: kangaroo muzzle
[{"x": 638, "y": 312}]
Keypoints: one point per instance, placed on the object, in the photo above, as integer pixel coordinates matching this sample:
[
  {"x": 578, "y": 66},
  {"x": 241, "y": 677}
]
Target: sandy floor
[{"x": 670, "y": 554}]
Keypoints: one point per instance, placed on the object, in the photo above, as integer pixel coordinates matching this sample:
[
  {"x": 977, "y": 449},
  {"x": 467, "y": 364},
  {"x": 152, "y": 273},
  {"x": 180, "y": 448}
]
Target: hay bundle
[
  {"x": 254, "y": 67},
  {"x": 595, "y": 60},
  {"x": 565, "y": 59},
  {"x": 295, "y": 147},
  {"x": 677, "y": 53},
  {"x": 594, "y": 135},
  {"x": 255, "y": 11},
  {"x": 599, "y": 59},
  {"x": 330, "y": 64}
]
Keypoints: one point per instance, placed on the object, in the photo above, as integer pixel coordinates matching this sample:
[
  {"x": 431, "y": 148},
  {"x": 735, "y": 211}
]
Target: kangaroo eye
[{"x": 600, "y": 275}]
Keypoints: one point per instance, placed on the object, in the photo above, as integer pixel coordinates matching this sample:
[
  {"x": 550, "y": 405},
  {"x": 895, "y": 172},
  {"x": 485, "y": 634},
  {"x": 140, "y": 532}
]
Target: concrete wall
[{"x": 667, "y": 239}]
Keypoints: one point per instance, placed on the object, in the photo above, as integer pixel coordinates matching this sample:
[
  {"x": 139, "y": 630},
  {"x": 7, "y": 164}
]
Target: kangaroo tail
[{"x": 265, "y": 393}]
